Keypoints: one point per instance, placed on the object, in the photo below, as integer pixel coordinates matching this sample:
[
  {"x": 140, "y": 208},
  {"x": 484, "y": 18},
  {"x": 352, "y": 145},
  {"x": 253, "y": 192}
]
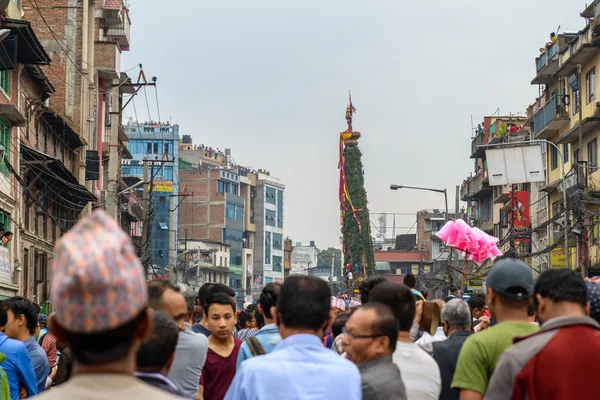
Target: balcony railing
[
  {"x": 121, "y": 33},
  {"x": 547, "y": 114},
  {"x": 473, "y": 187},
  {"x": 541, "y": 61},
  {"x": 475, "y": 143}
]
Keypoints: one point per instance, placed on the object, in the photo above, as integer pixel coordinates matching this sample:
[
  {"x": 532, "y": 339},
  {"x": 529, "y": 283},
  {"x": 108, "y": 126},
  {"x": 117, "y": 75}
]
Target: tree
[
  {"x": 356, "y": 229},
  {"x": 324, "y": 259}
]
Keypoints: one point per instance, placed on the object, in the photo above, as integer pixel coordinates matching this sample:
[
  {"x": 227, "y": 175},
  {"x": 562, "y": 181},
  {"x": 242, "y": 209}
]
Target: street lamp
[{"x": 444, "y": 191}]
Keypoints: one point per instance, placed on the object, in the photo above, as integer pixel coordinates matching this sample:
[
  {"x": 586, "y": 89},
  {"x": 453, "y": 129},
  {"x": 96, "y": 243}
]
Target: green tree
[
  {"x": 358, "y": 244},
  {"x": 324, "y": 259}
]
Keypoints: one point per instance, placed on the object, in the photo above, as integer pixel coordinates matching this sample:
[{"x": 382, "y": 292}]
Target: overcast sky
[{"x": 270, "y": 80}]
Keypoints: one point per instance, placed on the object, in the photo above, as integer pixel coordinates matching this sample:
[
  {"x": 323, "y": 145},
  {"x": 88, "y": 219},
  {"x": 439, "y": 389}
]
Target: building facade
[
  {"x": 269, "y": 217},
  {"x": 157, "y": 146},
  {"x": 304, "y": 258}
]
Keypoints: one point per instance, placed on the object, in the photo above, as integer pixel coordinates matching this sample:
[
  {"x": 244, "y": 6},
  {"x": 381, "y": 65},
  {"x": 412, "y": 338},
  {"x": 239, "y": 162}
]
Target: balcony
[
  {"x": 108, "y": 59},
  {"x": 588, "y": 125},
  {"x": 474, "y": 188},
  {"x": 550, "y": 118},
  {"x": 580, "y": 50},
  {"x": 546, "y": 65},
  {"x": 121, "y": 33},
  {"x": 478, "y": 141}
]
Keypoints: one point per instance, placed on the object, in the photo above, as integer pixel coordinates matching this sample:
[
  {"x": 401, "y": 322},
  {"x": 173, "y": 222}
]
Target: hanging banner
[{"x": 521, "y": 220}]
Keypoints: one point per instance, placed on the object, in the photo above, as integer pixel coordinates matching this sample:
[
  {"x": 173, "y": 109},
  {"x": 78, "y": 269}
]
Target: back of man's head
[
  {"x": 457, "y": 314},
  {"x": 156, "y": 353},
  {"x": 476, "y": 303},
  {"x": 156, "y": 290},
  {"x": 304, "y": 303},
  {"x": 560, "y": 286},
  {"x": 385, "y": 324},
  {"x": 367, "y": 285},
  {"x": 410, "y": 280},
  {"x": 190, "y": 299},
  {"x": 399, "y": 298}
]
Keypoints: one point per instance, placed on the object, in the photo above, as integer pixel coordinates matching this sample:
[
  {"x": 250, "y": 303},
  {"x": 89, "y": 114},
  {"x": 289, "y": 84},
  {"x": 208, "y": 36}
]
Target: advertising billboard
[{"x": 521, "y": 220}]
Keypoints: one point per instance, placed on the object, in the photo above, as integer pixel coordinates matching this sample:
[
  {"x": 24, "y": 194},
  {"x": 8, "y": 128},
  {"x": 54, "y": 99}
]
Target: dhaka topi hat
[{"x": 98, "y": 283}]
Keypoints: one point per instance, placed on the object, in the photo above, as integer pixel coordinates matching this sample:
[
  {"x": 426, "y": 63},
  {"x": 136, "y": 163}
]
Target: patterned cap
[
  {"x": 354, "y": 303},
  {"x": 341, "y": 304},
  {"x": 98, "y": 283},
  {"x": 593, "y": 295}
]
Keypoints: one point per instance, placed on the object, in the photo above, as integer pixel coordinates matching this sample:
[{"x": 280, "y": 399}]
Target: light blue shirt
[
  {"x": 268, "y": 336},
  {"x": 39, "y": 359},
  {"x": 18, "y": 367},
  {"x": 299, "y": 368}
]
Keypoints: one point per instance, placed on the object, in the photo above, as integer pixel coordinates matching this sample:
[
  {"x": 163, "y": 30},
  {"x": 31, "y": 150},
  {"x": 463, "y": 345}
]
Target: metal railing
[
  {"x": 477, "y": 141},
  {"x": 541, "y": 61},
  {"x": 548, "y": 113}
]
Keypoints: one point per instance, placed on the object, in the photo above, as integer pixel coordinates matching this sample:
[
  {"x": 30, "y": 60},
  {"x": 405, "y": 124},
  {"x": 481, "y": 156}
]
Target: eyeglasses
[{"x": 354, "y": 336}]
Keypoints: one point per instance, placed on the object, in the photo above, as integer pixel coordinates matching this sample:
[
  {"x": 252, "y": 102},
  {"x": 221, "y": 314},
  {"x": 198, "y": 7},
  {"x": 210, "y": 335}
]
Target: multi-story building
[
  {"x": 157, "y": 145},
  {"x": 568, "y": 115},
  {"x": 202, "y": 261},
  {"x": 304, "y": 258},
  {"x": 288, "y": 248},
  {"x": 268, "y": 244}
]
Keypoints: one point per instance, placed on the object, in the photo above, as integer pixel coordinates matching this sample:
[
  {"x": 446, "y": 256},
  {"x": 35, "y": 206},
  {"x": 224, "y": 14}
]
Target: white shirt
[
  {"x": 426, "y": 341},
  {"x": 420, "y": 372}
]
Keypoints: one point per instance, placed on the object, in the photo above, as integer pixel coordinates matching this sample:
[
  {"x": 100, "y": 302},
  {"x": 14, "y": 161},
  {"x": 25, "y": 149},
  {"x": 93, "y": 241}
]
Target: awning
[
  {"x": 38, "y": 74},
  {"x": 54, "y": 173},
  {"x": 29, "y": 48},
  {"x": 12, "y": 114},
  {"x": 61, "y": 125}
]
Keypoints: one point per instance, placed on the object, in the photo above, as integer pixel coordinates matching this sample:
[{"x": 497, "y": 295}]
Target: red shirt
[{"x": 218, "y": 372}]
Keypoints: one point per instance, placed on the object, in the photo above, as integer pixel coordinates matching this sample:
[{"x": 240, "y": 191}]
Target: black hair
[
  {"x": 244, "y": 317},
  {"x": 386, "y": 323},
  {"x": 222, "y": 288},
  {"x": 37, "y": 309},
  {"x": 7, "y": 233},
  {"x": 268, "y": 298},
  {"x": 156, "y": 350},
  {"x": 21, "y": 306},
  {"x": 532, "y": 308},
  {"x": 251, "y": 308},
  {"x": 368, "y": 285},
  {"x": 476, "y": 302},
  {"x": 410, "y": 280},
  {"x": 219, "y": 298},
  {"x": 562, "y": 285},
  {"x": 156, "y": 289},
  {"x": 512, "y": 302},
  {"x": 339, "y": 323},
  {"x": 399, "y": 298},
  {"x": 104, "y": 347},
  {"x": 260, "y": 320},
  {"x": 448, "y": 298},
  {"x": 304, "y": 302},
  {"x": 203, "y": 294}
]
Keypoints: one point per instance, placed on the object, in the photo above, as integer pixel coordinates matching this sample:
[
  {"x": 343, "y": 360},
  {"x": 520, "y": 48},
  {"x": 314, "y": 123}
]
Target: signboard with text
[
  {"x": 163, "y": 186},
  {"x": 558, "y": 259},
  {"x": 5, "y": 275}
]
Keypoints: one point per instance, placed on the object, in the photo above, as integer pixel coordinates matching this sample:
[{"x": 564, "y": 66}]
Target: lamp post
[
  {"x": 562, "y": 175},
  {"x": 444, "y": 191}
]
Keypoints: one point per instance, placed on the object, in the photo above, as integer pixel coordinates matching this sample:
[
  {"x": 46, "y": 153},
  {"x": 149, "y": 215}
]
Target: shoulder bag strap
[{"x": 255, "y": 347}]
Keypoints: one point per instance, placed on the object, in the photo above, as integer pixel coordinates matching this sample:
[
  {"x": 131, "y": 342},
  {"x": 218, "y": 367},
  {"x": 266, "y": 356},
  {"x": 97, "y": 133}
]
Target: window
[
  {"x": 5, "y": 81},
  {"x": 565, "y": 153},
  {"x": 270, "y": 217},
  {"x": 267, "y": 247},
  {"x": 5, "y": 142},
  {"x": 277, "y": 264},
  {"x": 239, "y": 213},
  {"x": 554, "y": 158},
  {"x": 280, "y": 208},
  {"x": 576, "y": 156},
  {"x": 277, "y": 240},
  {"x": 136, "y": 147},
  {"x": 148, "y": 147},
  {"x": 270, "y": 195},
  {"x": 222, "y": 187},
  {"x": 234, "y": 189},
  {"x": 168, "y": 173},
  {"x": 590, "y": 85},
  {"x": 162, "y": 199},
  {"x": 168, "y": 147},
  {"x": 155, "y": 146},
  {"x": 593, "y": 154},
  {"x": 575, "y": 101},
  {"x": 230, "y": 211}
]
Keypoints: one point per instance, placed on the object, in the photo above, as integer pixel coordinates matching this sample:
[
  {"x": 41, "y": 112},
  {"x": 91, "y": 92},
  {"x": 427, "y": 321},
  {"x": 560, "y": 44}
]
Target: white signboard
[
  {"x": 5, "y": 275},
  {"x": 512, "y": 165}
]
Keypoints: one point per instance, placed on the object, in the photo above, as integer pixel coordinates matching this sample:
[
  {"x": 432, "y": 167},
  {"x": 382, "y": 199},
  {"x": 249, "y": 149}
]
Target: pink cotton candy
[{"x": 446, "y": 230}]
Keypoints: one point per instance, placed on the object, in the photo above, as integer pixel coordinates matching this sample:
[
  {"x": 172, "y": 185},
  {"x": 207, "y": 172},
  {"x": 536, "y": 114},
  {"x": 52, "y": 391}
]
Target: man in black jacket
[{"x": 456, "y": 317}]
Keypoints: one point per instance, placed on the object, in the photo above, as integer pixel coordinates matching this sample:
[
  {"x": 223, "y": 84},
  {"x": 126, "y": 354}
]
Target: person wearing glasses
[{"x": 370, "y": 341}]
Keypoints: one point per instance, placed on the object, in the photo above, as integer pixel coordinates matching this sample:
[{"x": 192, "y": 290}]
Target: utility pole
[
  {"x": 172, "y": 246},
  {"x": 146, "y": 205},
  {"x": 113, "y": 158},
  {"x": 582, "y": 256}
]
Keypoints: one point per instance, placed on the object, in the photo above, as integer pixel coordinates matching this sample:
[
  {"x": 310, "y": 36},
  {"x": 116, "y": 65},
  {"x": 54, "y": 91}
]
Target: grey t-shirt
[{"x": 190, "y": 356}]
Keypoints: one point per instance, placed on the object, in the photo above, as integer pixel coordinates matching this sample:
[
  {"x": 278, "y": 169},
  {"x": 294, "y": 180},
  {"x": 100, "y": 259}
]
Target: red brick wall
[{"x": 194, "y": 211}]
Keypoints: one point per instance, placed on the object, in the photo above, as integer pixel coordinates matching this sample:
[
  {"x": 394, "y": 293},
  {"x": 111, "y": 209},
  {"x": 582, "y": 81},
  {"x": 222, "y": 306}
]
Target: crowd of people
[{"x": 114, "y": 335}]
